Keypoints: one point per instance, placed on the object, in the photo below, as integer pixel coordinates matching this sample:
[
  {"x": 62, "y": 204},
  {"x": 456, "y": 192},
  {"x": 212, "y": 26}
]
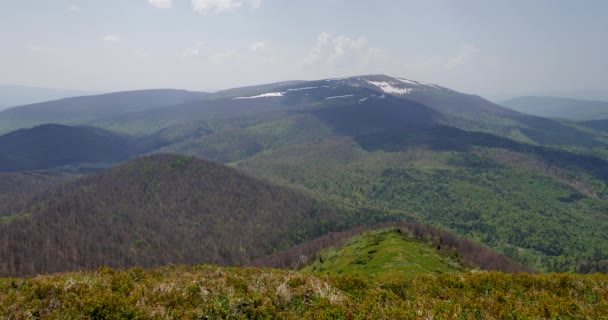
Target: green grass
[
  {"x": 209, "y": 292},
  {"x": 384, "y": 255}
]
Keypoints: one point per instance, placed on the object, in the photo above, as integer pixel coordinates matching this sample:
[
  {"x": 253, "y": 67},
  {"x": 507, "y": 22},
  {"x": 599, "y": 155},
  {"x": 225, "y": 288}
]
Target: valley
[
  {"x": 262, "y": 176},
  {"x": 373, "y": 148}
]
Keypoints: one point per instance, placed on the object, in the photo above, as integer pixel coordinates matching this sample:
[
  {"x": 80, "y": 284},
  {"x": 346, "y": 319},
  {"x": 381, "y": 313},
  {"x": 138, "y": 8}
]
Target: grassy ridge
[
  {"x": 382, "y": 255},
  {"x": 208, "y": 292}
]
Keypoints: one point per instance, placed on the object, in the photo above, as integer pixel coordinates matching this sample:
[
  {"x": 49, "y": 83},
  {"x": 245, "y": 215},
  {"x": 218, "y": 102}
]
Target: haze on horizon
[{"x": 497, "y": 48}]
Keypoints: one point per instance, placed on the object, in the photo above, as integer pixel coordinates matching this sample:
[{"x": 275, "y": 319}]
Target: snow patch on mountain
[
  {"x": 338, "y": 97},
  {"x": 389, "y": 87},
  {"x": 264, "y": 95},
  {"x": 299, "y": 89},
  {"x": 408, "y": 81}
]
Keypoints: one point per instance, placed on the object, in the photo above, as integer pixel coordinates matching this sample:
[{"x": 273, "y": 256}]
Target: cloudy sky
[{"x": 490, "y": 48}]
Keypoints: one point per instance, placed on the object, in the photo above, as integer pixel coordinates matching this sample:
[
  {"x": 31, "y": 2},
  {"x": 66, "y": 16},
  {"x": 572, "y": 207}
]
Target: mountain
[
  {"x": 51, "y": 145},
  {"x": 82, "y": 110},
  {"x": 393, "y": 149},
  {"x": 158, "y": 210},
  {"x": 274, "y": 101},
  {"x": 599, "y": 125},
  {"x": 551, "y": 107},
  {"x": 11, "y": 95}
]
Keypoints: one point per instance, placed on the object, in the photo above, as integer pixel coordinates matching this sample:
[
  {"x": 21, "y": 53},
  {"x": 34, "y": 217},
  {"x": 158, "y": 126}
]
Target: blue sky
[{"x": 491, "y": 48}]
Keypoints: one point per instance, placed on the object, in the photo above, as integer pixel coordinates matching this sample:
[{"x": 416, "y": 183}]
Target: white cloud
[
  {"x": 467, "y": 52},
  {"x": 161, "y": 3},
  {"x": 215, "y": 7},
  {"x": 258, "y": 46},
  {"x": 111, "y": 38},
  {"x": 341, "y": 50},
  {"x": 315, "y": 53},
  {"x": 194, "y": 51},
  {"x": 73, "y": 8}
]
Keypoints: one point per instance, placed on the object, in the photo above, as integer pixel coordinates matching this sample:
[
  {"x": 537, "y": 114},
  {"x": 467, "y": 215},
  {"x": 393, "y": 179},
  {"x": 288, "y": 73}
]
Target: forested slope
[{"x": 158, "y": 210}]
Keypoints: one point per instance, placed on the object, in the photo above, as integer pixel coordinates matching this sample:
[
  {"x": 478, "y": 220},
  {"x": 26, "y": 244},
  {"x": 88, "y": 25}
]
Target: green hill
[
  {"x": 543, "y": 207},
  {"x": 399, "y": 150},
  {"x": 384, "y": 254}
]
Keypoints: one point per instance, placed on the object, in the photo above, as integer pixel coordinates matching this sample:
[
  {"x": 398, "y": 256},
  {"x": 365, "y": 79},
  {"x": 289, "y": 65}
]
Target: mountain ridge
[{"x": 566, "y": 108}]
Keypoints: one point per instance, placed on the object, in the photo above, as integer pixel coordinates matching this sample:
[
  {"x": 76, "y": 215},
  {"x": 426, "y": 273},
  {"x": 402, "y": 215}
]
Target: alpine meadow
[{"x": 160, "y": 159}]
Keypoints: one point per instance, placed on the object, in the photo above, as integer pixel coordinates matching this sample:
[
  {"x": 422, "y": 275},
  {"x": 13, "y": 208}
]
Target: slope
[
  {"x": 391, "y": 250},
  {"x": 159, "y": 210},
  {"x": 543, "y": 207},
  {"x": 247, "y": 293},
  {"x": 51, "y": 145},
  {"x": 383, "y": 255},
  {"x": 80, "y": 110},
  {"x": 17, "y": 188},
  {"x": 552, "y": 107}
]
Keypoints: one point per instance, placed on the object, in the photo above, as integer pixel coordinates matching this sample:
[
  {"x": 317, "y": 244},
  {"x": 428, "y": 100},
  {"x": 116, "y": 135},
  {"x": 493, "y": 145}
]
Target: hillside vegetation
[
  {"x": 155, "y": 211},
  {"x": 446, "y": 249},
  {"x": 383, "y": 255},
  {"x": 366, "y": 150},
  {"x": 210, "y": 292},
  {"x": 548, "y": 212}
]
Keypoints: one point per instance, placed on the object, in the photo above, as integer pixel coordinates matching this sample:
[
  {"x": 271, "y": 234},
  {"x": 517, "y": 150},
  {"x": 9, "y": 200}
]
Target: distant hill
[
  {"x": 394, "y": 149},
  {"x": 158, "y": 210},
  {"x": 456, "y": 109},
  {"x": 600, "y": 125},
  {"x": 551, "y": 107},
  {"x": 81, "y": 110},
  {"x": 12, "y": 95},
  {"x": 51, "y": 145}
]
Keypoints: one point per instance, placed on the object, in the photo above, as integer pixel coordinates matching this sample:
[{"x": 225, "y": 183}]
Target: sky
[{"x": 488, "y": 47}]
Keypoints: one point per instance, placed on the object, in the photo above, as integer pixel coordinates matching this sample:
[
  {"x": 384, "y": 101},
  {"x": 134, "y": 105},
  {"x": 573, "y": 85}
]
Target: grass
[
  {"x": 383, "y": 255},
  {"x": 209, "y": 292}
]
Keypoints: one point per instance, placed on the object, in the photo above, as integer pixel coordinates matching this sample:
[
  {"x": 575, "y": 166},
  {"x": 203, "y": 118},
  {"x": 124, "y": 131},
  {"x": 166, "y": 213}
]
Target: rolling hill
[
  {"x": 391, "y": 250},
  {"x": 52, "y": 145},
  {"x": 15, "y": 95},
  {"x": 81, "y": 110},
  {"x": 159, "y": 210},
  {"x": 551, "y": 107},
  {"x": 532, "y": 188}
]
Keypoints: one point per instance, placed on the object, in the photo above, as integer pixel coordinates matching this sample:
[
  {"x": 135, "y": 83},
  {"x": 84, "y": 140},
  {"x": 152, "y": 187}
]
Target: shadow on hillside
[{"x": 443, "y": 138}]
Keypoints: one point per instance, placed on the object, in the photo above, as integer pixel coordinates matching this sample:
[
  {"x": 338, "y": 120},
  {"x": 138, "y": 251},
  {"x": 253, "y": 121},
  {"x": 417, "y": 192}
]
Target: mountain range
[
  {"x": 15, "y": 95},
  {"x": 550, "y": 107},
  {"x": 364, "y": 149}
]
